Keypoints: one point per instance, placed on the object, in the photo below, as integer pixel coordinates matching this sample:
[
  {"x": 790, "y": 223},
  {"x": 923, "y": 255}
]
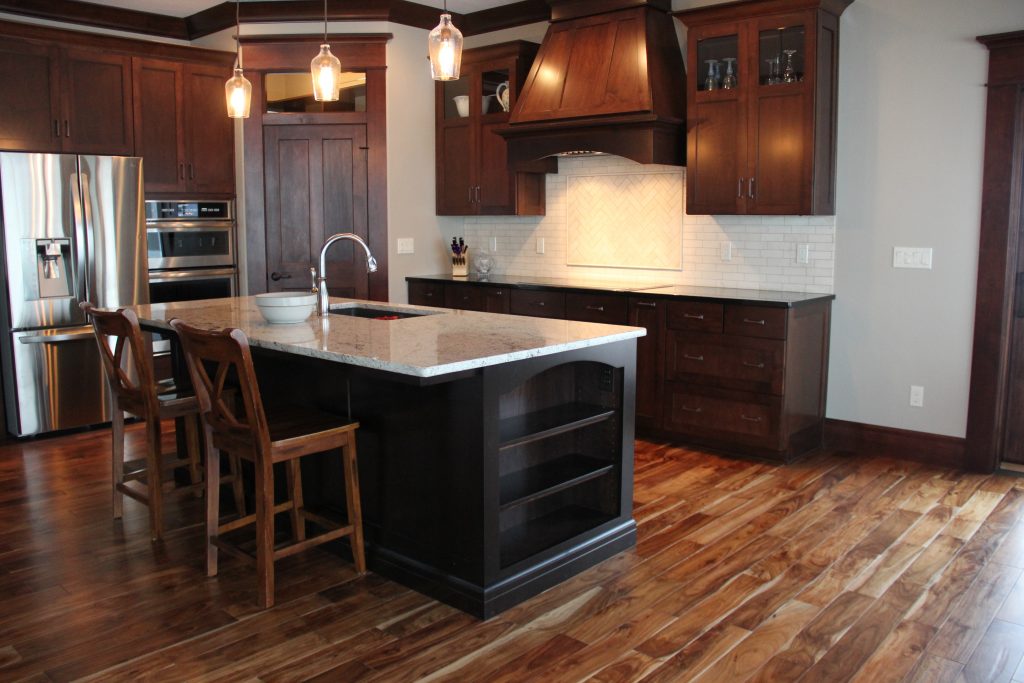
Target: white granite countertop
[{"x": 422, "y": 346}]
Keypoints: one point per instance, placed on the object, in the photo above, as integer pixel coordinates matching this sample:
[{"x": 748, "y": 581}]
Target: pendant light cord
[
  {"x": 325, "y": 21},
  {"x": 238, "y": 38}
]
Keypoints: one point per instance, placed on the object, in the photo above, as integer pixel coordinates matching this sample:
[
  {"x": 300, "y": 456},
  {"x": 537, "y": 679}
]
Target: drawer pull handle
[
  {"x": 539, "y": 303},
  {"x": 596, "y": 308},
  {"x": 647, "y": 304},
  {"x": 688, "y": 409},
  {"x": 697, "y": 358},
  {"x": 465, "y": 297},
  {"x": 748, "y": 364},
  {"x": 498, "y": 293},
  {"x": 750, "y": 419},
  {"x": 694, "y": 316},
  {"x": 751, "y": 321}
]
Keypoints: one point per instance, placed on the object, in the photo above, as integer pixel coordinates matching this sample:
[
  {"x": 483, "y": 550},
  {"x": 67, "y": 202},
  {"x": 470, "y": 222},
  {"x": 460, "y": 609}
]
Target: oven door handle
[
  {"x": 188, "y": 227},
  {"x": 196, "y": 274}
]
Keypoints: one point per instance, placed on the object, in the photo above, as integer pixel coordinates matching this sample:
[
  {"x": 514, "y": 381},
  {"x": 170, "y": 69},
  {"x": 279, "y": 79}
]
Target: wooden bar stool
[
  {"x": 134, "y": 390},
  {"x": 284, "y": 438}
]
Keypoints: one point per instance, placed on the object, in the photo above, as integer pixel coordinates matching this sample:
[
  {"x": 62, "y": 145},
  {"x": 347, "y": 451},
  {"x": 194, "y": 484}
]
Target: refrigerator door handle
[{"x": 76, "y": 334}]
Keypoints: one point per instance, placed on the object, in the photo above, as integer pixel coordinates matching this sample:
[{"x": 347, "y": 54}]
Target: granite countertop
[
  {"x": 754, "y": 296},
  {"x": 443, "y": 342}
]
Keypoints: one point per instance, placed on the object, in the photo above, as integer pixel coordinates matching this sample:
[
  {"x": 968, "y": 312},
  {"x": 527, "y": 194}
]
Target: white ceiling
[{"x": 184, "y": 8}]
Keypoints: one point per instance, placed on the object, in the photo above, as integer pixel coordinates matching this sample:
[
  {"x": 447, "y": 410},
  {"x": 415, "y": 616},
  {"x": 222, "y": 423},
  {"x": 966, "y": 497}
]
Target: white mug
[
  {"x": 485, "y": 103},
  {"x": 462, "y": 104}
]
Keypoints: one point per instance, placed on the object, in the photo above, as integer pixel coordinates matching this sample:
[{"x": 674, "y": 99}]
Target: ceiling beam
[{"x": 222, "y": 16}]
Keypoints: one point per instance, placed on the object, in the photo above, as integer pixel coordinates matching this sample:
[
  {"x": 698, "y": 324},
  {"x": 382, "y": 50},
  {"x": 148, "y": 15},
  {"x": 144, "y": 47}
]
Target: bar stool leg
[
  {"x": 212, "y": 502},
  {"x": 193, "y": 425},
  {"x": 117, "y": 456},
  {"x": 355, "y": 514},
  {"x": 265, "y": 531},
  {"x": 237, "y": 486},
  {"x": 154, "y": 479},
  {"x": 294, "y": 473}
]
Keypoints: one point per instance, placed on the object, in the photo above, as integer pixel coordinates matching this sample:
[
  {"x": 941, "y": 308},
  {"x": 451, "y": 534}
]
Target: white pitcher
[{"x": 502, "y": 93}]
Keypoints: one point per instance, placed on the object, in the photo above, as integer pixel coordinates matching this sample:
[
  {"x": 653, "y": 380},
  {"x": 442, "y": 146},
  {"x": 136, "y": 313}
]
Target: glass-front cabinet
[
  {"x": 761, "y": 108},
  {"x": 472, "y": 163}
]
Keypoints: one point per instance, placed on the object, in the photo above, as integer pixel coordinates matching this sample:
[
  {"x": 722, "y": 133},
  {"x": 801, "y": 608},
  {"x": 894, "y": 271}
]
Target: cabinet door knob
[
  {"x": 56, "y": 128},
  {"x": 470, "y": 194},
  {"x": 67, "y": 128},
  {"x": 750, "y": 187},
  {"x": 275, "y": 276},
  {"x": 739, "y": 188},
  {"x": 191, "y": 171},
  {"x": 181, "y": 170}
]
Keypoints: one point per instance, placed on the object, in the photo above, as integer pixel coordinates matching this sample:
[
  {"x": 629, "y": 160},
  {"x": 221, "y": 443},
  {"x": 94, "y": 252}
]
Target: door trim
[{"x": 1001, "y": 214}]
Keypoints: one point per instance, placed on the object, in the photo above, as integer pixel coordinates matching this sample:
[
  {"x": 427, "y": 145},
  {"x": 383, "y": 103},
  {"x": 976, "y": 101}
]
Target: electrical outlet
[
  {"x": 916, "y": 396},
  {"x": 406, "y": 245},
  {"x": 540, "y": 245},
  {"x": 727, "y": 251},
  {"x": 803, "y": 253},
  {"x": 912, "y": 257},
  {"x": 494, "y": 244}
]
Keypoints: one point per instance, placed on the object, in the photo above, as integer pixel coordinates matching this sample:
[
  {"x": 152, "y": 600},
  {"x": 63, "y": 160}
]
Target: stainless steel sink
[{"x": 377, "y": 312}]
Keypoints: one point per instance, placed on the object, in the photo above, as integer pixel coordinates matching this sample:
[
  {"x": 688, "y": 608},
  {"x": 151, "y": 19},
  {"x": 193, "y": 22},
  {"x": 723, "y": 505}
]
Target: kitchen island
[{"x": 495, "y": 451}]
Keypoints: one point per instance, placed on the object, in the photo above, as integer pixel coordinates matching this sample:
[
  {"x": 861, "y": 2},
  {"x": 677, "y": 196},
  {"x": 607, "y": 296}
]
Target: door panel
[
  {"x": 316, "y": 185},
  {"x": 496, "y": 194},
  {"x": 1013, "y": 443},
  {"x": 714, "y": 170},
  {"x": 454, "y": 193},
  {"x": 211, "y": 134},
  {"x": 160, "y": 123},
  {"x": 97, "y": 103},
  {"x": 29, "y": 109},
  {"x": 779, "y": 155}
]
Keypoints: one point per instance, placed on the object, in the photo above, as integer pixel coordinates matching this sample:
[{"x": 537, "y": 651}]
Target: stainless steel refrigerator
[{"x": 73, "y": 230}]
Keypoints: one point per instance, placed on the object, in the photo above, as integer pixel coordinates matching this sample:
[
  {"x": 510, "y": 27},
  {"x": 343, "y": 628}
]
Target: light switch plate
[
  {"x": 727, "y": 251},
  {"x": 912, "y": 257},
  {"x": 803, "y": 253},
  {"x": 406, "y": 245},
  {"x": 540, "y": 245},
  {"x": 916, "y": 396},
  {"x": 494, "y": 244}
]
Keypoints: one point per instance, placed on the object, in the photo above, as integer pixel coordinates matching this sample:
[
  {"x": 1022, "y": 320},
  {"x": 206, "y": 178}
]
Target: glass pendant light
[
  {"x": 445, "y": 45},
  {"x": 326, "y": 71},
  {"x": 238, "y": 89}
]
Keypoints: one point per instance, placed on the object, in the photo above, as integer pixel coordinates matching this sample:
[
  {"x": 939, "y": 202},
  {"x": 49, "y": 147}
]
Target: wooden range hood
[{"x": 609, "y": 77}]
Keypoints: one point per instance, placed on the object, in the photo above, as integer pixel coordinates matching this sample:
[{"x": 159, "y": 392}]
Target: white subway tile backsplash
[{"x": 764, "y": 247}]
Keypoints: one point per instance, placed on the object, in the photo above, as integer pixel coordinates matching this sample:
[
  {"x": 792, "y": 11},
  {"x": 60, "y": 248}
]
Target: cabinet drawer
[
  {"x": 728, "y": 361},
  {"x": 695, "y": 315},
  {"x": 540, "y": 304},
  {"x": 724, "y": 415},
  {"x": 426, "y": 293},
  {"x": 596, "y": 308},
  {"x": 756, "y": 321},
  {"x": 464, "y": 297}
]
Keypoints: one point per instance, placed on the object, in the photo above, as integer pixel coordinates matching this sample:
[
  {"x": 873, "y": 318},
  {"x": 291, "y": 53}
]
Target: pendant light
[
  {"x": 326, "y": 70},
  {"x": 445, "y": 45},
  {"x": 238, "y": 89}
]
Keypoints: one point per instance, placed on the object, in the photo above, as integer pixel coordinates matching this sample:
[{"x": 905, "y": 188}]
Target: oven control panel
[{"x": 188, "y": 210}]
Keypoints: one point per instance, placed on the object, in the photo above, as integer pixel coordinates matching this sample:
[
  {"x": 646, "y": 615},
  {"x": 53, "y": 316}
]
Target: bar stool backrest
[
  {"x": 227, "y": 353},
  {"x": 134, "y": 389}
]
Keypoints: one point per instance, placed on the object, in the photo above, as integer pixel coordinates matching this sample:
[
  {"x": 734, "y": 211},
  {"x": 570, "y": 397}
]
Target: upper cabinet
[
  {"x": 64, "y": 99},
  {"x": 472, "y": 161},
  {"x": 181, "y": 129},
  {"x": 761, "y": 107}
]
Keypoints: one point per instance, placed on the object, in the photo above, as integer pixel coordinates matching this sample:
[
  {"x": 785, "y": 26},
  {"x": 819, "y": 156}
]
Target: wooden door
[
  {"x": 781, "y": 115},
  {"x": 97, "y": 103},
  {"x": 315, "y": 179},
  {"x": 648, "y": 313},
  {"x": 716, "y": 147},
  {"x": 1013, "y": 438},
  {"x": 496, "y": 192},
  {"x": 159, "y": 94},
  {"x": 209, "y": 133},
  {"x": 29, "y": 107},
  {"x": 455, "y": 192}
]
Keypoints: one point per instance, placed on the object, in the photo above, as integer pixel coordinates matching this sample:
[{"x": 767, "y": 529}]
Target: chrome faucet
[{"x": 320, "y": 287}]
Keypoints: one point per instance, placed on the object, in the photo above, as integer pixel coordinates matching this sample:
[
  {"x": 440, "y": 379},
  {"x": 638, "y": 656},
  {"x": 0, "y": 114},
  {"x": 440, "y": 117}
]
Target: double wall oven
[{"x": 191, "y": 250}]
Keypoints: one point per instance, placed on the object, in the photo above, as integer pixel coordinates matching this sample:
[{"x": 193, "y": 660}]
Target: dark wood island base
[{"x": 484, "y": 487}]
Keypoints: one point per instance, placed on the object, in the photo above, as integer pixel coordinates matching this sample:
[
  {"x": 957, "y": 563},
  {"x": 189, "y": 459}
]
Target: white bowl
[{"x": 285, "y": 307}]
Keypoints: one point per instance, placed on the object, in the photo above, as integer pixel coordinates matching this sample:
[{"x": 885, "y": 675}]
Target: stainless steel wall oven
[{"x": 190, "y": 248}]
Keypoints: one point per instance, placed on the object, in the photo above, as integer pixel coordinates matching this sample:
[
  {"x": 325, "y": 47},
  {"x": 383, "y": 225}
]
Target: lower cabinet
[{"x": 743, "y": 378}]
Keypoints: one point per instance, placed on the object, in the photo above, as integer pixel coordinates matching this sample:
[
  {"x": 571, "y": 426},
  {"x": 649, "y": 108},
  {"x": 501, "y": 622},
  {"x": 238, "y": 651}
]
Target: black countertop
[{"x": 753, "y": 296}]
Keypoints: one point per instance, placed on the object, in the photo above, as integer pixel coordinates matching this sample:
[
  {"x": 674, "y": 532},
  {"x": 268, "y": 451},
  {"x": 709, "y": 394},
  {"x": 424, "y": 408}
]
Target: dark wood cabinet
[
  {"x": 648, "y": 313},
  {"x": 761, "y": 103},
  {"x": 471, "y": 158},
  {"x": 740, "y": 376},
  {"x": 181, "y": 129},
  {"x": 64, "y": 99}
]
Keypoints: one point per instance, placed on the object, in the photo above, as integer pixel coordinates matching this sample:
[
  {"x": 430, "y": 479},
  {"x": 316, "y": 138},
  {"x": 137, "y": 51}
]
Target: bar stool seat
[
  {"x": 134, "y": 390},
  {"x": 265, "y": 438}
]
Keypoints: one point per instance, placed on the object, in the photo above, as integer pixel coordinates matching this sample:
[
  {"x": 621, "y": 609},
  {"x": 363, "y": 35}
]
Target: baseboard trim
[{"x": 903, "y": 444}]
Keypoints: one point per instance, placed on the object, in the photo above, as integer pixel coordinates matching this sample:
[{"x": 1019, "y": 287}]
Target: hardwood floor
[{"x": 835, "y": 568}]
